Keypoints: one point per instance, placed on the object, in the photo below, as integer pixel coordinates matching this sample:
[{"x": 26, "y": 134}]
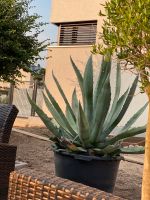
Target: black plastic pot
[{"x": 93, "y": 171}]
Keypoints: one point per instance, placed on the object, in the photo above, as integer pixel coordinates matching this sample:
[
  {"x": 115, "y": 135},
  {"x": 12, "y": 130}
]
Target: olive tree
[
  {"x": 19, "y": 44},
  {"x": 126, "y": 34}
]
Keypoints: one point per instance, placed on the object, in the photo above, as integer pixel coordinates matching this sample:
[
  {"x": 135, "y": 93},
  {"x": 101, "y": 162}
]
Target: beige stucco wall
[{"x": 74, "y": 10}]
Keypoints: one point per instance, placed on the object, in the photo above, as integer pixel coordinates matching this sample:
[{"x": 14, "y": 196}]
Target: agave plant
[{"x": 86, "y": 126}]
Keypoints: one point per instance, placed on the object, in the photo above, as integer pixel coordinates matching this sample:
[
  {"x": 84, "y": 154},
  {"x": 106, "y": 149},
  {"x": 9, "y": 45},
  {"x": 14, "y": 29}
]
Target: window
[{"x": 78, "y": 33}]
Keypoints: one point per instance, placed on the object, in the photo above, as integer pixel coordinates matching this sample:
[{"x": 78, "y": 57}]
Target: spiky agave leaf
[
  {"x": 58, "y": 109},
  {"x": 75, "y": 103},
  {"x": 100, "y": 110},
  {"x": 53, "y": 111},
  {"x": 88, "y": 89},
  {"x": 124, "y": 108},
  {"x": 108, "y": 150},
  {"x": 76, "y": 149},
  {"x": 132, "y": 150},
  {"x": 79, "y": 77},
  {"x": 64, "y": 96},
  {"x": 114, "y": 115},
  {"x": 83, "y": 127},
  {"x": 56, "y": 116},
  {"x": 126, "y": 134},
  {"x": 46, "y": 120},
  {"x": 115, "y": 103},
  {"x": 70, "y": 119},
  {"x": 103, "y": 74},
  {"x": 133, "y": 118}
]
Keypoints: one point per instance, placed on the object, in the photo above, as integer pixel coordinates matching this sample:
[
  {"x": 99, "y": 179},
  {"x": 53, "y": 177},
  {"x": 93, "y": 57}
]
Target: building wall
[{"x": 74, "y": 10}]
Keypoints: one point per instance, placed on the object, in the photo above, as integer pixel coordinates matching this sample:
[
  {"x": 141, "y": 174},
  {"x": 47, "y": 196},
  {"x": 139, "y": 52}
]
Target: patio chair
[
  {"x": 28, "y": 184},
  {"x": 7, "y": 165},
  {"x": 8, "y": 114}
]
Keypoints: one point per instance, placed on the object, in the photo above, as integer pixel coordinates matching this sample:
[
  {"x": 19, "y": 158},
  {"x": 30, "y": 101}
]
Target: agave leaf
[
  {"x": 81, "y": 149},
  {"x": 70, "y": 119},
  {"x": 133, "y": 150},
  {"x": 107, "y": 150},
  {"x": 114, "y": 116},
  {"x": 110, "y": 148},
  {"x": 58, "y": 109},
  {"x": 74, "y": 148},
  {"x": 124, "y": 108},
  {"x": 134, "y": 118},
  {"x": 63, "y": 96},
  {"x": 101, "y": 110},
  {"x": 103, "y": 74},
  {"x": 46, "y": 120},
  {"x": 116, "y": 97},
  {"x": 56, "y": 116},
  {"x": 79, "y": 77},
  {"x": 83, "y": 127},
  {"x": 129, "y": 133},
  {"x": 54, "y": 113},
  {"x": 88, "y": 89},
  {"x": 75, "y": 103},
  {"x": 65, "y": 134}
]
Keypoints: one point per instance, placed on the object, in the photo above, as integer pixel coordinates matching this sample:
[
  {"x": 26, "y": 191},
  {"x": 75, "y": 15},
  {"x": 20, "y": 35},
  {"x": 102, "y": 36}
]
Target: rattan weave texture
[
  {"x": 25, "y": 187},
  {"x": 7, "y": 165},
  {"x": 8, "y": 114}
]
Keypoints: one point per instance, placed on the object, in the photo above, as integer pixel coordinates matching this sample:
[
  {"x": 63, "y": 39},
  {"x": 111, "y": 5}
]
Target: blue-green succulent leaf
[
  {"x": 70, "y": 119},
  {"x": 103, "y": 74},
  {"x": 133, "y": 150},
  {"x": 57, "y": 117},
  {"x": 58, "y": 109},
  {"x": 116, "y": 97},
  {"x": 101, "y": 109},
  {"x": 75, "y": 103},
  {"x": 88, "y": 89},
  {"x": 134, "y": 118},
  {"x": 83, "y": 127},
  {"x": 79, "y": 77},
  {"x": 46, "y": 120},
  {"x": 54, "y": 113},
  {"x": 63, "y": 96},
  {"x": 114, "y": 115},
  {"x": 126, "y": 134},
  {"x": 124, "y": 108}
]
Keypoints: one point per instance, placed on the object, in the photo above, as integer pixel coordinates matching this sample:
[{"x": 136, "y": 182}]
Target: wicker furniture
[
  {"x": 8, "y": 115},
  {"x": 24, "y": 185},
  {"x": 7, "y": 164}
]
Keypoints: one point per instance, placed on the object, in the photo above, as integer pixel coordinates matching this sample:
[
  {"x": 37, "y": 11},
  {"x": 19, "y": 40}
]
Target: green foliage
[
  {"x": 19, "y": 43},
  {"x": 126, "y": 32},
  {"x": 86, "y": 126},
  {"x": 39, "y": 74}
]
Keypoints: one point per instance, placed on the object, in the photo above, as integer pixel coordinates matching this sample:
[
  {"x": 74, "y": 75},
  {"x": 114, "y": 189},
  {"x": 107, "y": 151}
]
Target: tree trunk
[{"x": 146, "y": 171}]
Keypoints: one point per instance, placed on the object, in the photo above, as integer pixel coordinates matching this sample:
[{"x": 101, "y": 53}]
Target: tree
[
  {"x": 19, "y": 45},
  {"x": 126, "y": 33}
]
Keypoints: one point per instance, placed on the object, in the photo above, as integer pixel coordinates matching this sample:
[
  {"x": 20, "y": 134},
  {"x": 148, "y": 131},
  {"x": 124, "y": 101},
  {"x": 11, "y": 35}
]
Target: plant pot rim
[{"x": 79, "y": 156}]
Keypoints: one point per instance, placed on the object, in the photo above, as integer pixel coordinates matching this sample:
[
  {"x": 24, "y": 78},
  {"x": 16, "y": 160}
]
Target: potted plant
[{"x": 84, "y": 151}]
